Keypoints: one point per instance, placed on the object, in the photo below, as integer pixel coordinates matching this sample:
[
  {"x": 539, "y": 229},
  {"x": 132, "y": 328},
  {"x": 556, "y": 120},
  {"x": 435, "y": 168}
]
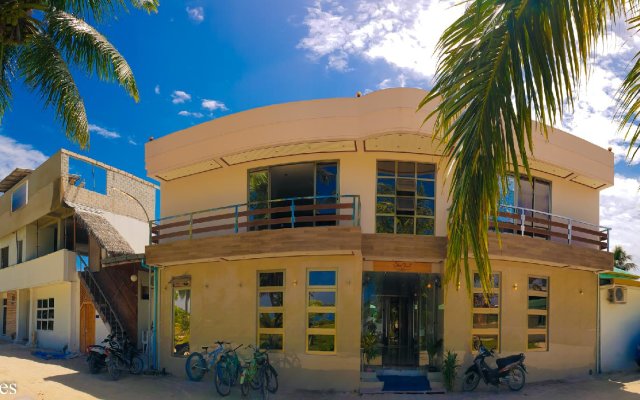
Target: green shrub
[{"x": 450, "y": 370}]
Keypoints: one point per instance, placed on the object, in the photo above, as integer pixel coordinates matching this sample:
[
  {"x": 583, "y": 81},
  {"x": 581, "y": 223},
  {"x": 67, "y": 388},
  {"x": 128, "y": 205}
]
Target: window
[
  {"x": 405, "y": 198},
  {"x": 321, "y": 311},
  {"x": 4, "y": 257},
  {"x": 310, "y": 183},
  {"x": 45, "y": 314},
  {"x": 87, "y": 175},
  {"x": 181, "y": 317},
  {"x": 144, "y": 292},
  {"x": 271, "y": 310},
  {"x": 536, "y": 196},
  {"x": 19, "y": 197},
  {"x": 19, "y": 251},
  {"x": 538, "y": 314},
  {"x": 486, "y": 313}
]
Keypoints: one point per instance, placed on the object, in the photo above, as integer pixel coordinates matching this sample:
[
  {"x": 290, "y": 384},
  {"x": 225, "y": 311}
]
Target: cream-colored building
[
  {"x": 59, "y": 224},
  {"x": 308, "y": 226}
]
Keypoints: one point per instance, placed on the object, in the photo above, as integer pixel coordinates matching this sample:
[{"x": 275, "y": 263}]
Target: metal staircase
[{"x": 101, "y": 303}]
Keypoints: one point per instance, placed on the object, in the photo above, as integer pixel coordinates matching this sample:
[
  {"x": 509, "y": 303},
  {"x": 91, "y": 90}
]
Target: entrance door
[
  {"x": 87, "y": 325},
  {"x": 4, "y": 316},
  {"x": 399, "y": 332}
]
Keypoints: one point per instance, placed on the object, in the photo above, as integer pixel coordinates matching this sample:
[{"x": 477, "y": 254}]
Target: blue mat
[{"x": 399, "y": 383}]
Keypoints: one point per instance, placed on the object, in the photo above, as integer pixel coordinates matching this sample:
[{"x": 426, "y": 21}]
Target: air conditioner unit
[{"x": 618, "y": 295}]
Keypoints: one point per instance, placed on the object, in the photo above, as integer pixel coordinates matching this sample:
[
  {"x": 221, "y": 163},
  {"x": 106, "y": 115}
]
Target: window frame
[
  {"x": 321, "y": 309},
  {"x": 487, "y": 311},
  {"x": 26, "y": 196},
  {"x": 265, "y": 310},
  {"x": 536, "y": 312},
  {"x": 4, "y": 261},
  {"x": 517, "y": 192},
  {"x": 417, "y": 197},
  {"x": 48, "y": 309},
  {"x": 174, "y": 288}
]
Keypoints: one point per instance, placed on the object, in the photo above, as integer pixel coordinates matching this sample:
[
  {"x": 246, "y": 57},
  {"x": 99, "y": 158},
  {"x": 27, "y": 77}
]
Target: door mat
[{"x": 403, "y": 383}]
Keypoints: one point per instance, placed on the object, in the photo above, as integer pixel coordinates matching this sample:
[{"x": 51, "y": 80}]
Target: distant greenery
[
  {"x": 622, "y": 260},
  {"x": 41, "y": 40}
]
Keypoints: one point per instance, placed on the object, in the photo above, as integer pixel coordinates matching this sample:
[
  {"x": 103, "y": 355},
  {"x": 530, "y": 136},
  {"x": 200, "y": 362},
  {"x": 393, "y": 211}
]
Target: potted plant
[
  {"x": 370, "y": 349},
  {"x": 433, "y": 347},
  {"x": 450, "y": 370}
]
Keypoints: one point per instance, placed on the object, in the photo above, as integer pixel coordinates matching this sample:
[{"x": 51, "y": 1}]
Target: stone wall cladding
[{"x": 115, "y": 200}]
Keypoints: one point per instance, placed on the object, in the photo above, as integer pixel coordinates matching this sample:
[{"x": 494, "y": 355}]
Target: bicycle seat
[
  {"x": 220, "y": 342},
  {"x": 205, "y": 348}
]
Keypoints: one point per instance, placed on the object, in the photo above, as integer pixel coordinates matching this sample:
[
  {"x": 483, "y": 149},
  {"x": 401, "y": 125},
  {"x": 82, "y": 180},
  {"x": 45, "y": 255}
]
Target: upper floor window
[
  {"x": 4, "y": 257},
  {"x": 534, "y": 196},
  {"x": 405, "y": 198},
  {"x": 300, "y": 185},
  {"x": 19, "y": 197}
]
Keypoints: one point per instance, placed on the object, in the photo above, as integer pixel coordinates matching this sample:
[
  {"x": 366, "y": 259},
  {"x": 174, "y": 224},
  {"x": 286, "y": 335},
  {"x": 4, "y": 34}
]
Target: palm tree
[
  {"x": 40, "y": 39},
  {"x": 502, "y": 64},
  {"x": 622, "y": 260}
]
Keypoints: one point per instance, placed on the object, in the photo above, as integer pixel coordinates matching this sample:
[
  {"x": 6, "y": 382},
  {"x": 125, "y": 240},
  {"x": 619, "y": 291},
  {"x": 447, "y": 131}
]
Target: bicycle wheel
[
  {"x": 113, "y": 369},
  {"x": 245, "y": 388},
  {"x": 137, "y": 366},
  {"x": 256, "y": 381},
  {"x": 272, "y": 379},
  {"x": 195, "y": 367},
  {"x": 264, "y": 383},
  {"x": 223, "y": 378}
]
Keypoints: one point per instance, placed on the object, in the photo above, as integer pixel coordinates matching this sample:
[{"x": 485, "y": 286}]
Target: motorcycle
[
  {"x": 97, "y": 354},
  {"x": 511, "y": 370},
  {"x": 122, "y": 359}
]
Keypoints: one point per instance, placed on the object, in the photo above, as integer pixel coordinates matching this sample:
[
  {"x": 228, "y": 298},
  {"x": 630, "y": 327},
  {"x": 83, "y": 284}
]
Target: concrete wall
[
  {"x": 53, "y": 268},
  {"x": 357, "y": 176},
  {"x": 620, "y": 331},
  {"x": 66, "y": 321},
  {"x": 571, "y": 320},
  {"x": 224, "y": 307}
]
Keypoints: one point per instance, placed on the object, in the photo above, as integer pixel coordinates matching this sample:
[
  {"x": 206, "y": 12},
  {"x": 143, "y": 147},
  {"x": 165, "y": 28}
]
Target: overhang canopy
[
  {"x": 13, "y": 178},
  {"x": 106, "y": 235}
]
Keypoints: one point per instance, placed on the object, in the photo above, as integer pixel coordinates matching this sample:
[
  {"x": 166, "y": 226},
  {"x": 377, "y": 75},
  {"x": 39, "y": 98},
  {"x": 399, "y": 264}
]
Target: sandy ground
[{"x": 69, "y": 379}]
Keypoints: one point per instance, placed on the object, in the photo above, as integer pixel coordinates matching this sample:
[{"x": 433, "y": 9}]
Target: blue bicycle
[{"x": 199, "y": 364}]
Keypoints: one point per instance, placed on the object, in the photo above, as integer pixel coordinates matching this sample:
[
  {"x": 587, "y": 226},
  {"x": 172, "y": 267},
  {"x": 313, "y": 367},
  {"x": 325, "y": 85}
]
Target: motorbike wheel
[
  {"x": 94, "y": 365},
  {"x": 470, "y": 381},
  {"x": 272, "y": 379},
  {"x": 195, "y": 367},
  {"x": 137, "y": 365},
  {"x": 223, "y": 378},
  {"x": 516, "y": 379},
  {"x": 113, "y": 369}
]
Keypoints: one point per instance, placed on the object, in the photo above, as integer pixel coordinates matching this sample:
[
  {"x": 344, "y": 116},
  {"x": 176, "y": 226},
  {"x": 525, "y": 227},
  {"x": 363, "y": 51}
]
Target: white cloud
[
  {"x": 213, "y": 105},
  {"x": 179, "y": 97},
  {"x": 620, "y": 210},
  {"x": 404, "y": 33},
  {"x": 132, "y": 141},
  {"x": 196, "y": 14},
  {"x": 17, "y": 155},
  {"x": 103, "y": 132},
  {"x": 185, "y": 113},
  {"x": 157, "y": 89}
]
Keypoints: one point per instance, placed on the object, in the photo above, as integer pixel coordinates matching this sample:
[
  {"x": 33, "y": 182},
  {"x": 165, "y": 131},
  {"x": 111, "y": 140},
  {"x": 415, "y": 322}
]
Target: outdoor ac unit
[{"x": 618, "y": 295}]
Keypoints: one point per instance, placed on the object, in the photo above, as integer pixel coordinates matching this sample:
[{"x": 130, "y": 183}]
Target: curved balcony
[{"x": 295, "y": 212}]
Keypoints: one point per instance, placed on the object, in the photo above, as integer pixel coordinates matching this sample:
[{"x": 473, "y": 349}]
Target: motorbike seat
[{"x": 506, "y": 361}]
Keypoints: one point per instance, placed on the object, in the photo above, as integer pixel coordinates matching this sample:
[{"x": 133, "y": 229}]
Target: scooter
[
  {"x": 122, "y": 359},
  {"x": 511, "y": 370},
  {"x": 97, "y": 354}
]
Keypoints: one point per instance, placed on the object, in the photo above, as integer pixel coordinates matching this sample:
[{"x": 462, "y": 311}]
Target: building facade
[
  {"x": 318, "y": 229},
  {"x": 59, "y": 223}
]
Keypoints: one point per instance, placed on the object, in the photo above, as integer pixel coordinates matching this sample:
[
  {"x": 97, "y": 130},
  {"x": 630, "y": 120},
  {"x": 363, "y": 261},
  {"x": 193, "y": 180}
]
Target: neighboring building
[
  {"x": 361, "y": 247},
  {"x": 619, "y": 321},
  {"x": 59, "y": 224}
]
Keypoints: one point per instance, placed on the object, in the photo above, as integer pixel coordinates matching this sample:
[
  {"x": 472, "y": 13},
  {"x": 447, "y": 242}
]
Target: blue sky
[{"x": 197, "y": 60}]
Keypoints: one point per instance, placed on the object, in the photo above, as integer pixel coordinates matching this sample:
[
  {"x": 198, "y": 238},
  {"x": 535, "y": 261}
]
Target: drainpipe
[
  {"x": 598, "y": 328},
  {"x": 153, "y": 353}
]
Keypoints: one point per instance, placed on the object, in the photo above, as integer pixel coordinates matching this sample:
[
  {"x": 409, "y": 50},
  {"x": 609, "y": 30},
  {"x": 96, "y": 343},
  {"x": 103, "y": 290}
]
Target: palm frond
[
  {"x": 83, "y": 45},
  {"x": 628, "y": 98},
  {"x": 7, "y": 58},
  {"x": 502, "y": 64},
  {"x": 44, "y": 70},
  {"x": 101, "y": 9}
]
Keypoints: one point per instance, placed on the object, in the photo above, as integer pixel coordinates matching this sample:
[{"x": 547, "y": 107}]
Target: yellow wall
[
  {"x": 53, "y": 268},
  {"x": 224, "y": 307},
  {"x": 357, "y": 176},
  {"x": 571, "y": 319}
]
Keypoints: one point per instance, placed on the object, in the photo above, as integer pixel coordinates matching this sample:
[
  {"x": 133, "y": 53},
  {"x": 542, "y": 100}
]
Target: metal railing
[
  {"x": 294, "y": 212},
  {"x": 100, "y": 301},
  {"x": 534, "y": 223}
]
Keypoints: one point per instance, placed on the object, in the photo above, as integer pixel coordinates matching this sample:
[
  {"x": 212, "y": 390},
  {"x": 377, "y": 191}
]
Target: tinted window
[{"x": 19, "y": 198}]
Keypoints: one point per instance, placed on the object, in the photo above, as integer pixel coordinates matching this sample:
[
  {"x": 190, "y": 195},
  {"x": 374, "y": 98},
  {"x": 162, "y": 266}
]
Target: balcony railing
[
  {"x": 293, "y": 212},
  {"x": 533, "y": 223}
]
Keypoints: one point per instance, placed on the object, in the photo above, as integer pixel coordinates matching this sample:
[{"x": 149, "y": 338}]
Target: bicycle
[
  {"x": 198, "y": 365},
  {"x": 258, "y": 374},
  {"x": 227, "y": 371}
]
